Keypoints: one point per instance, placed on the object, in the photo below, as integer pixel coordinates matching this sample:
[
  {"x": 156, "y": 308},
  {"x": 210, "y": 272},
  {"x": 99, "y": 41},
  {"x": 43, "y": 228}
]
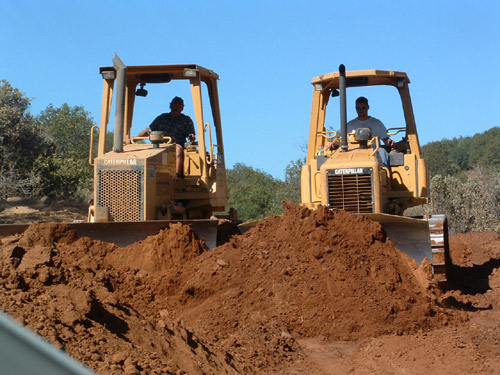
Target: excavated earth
[{"x": 306, "y": 292}]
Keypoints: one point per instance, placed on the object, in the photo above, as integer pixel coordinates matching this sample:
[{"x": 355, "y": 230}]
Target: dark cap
[
  {"x": 177, "y": 100},
  {"x": 362, "y": 99}
]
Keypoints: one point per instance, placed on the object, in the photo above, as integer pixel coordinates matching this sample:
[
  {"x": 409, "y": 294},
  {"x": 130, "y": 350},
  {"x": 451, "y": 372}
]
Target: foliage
[
  {"x": 21, "y": 143},
  {"x": 65, "y": 178},
  {"x": 68, "y": 128},
  {"x": 256, "y": 194},
  {"x": 449, "y": 157},
  {"x": 15, "y": 184},
  {"x": 439, "y": 159},
  {"x": 465, "y": 182},
  {"x": 251, "y": 192},
  {"x": 289, "y": 190},
  {"x": 65, "y": 171},
  {"x": 471, "y": 202}
]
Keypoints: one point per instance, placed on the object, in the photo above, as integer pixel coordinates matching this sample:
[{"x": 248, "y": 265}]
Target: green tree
[
  {"x": 66, "y": 172},
  {"x": 289, "y": 190},
  {"x": 251, "y": 192},
  {"x": 256, "y": 194},
  {"x": 470, "y": 203},
  {"x": 21, "y": 143},
  {"x": 449, "y": 157},
  {"x": 68, "y": 128},
  {"x": 439, "y": 159},
  {"x": 484, "y": 149}
]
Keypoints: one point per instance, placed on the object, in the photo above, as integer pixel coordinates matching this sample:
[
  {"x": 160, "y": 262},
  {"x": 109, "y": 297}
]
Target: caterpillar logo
[
  {"x": 342, "y": 171},
  {"x": 120, "y": 162}
]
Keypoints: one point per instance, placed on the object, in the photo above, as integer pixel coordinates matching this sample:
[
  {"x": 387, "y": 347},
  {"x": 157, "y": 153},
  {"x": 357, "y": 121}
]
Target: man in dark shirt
[{"x": 178, "y": 127}]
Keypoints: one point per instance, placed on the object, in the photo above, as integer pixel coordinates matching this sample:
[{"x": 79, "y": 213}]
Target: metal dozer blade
[
  {"x": 126, "y": 233},
  {"x": 419, "y": 238},
  {"x": 409, "y": 235}
]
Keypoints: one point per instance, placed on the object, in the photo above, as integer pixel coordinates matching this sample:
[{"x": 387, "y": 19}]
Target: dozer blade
[
  {"x": 409, "y": 235},
  {"x": 247, "y": 225},
  {"x": 126, "y": 233}
]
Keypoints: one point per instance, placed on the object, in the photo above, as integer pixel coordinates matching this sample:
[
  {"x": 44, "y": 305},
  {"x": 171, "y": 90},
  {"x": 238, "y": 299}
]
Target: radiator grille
[
  {"x": 350, "y": 192},
  {"x": 121, "y": 191}
]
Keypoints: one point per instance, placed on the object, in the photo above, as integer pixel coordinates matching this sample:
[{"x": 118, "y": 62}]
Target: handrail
[
  {"x": 328, "y": 134},
  {"x": 210, "y": 157},
  {"x": 91, "y": 149},
  {"x": 398, "y": 130},
  {"x": 377, "y": 144}
]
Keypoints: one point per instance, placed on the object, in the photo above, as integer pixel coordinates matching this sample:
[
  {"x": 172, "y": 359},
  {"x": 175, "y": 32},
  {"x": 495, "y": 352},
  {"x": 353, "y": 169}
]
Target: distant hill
[{"x": 452, "y": 156}]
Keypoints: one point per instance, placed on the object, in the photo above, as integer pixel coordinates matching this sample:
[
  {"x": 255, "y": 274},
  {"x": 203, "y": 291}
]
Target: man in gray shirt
[
  {"x": 364, "y": 121},
  {"x": 377, "y": 127}
]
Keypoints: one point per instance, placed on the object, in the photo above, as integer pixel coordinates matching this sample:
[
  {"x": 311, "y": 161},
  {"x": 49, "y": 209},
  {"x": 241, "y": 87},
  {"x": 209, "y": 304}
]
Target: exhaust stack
[
  {"x": 121, "y": 83},
  {"x": 343, "y": 107}
]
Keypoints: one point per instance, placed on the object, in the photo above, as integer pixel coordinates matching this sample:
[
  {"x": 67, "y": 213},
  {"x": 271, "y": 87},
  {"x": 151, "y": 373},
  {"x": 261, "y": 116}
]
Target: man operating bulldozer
[
  {"x": 178, "y": 127},
  {"x": 376, "y": 126}
]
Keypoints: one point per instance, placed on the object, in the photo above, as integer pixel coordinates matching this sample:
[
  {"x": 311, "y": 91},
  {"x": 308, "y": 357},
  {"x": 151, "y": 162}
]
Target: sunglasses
[{"x": 361, "y": 108}]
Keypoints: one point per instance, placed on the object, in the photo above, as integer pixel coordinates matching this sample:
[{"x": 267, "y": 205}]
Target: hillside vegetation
[{"x": 465, "y": 181}]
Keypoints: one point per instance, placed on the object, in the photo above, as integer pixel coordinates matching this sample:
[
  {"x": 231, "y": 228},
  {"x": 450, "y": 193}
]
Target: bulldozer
[
  {"x": 136, "y": 189},
  {"x": 344, "y": 170},
  {"x": 135, "y": 183}
]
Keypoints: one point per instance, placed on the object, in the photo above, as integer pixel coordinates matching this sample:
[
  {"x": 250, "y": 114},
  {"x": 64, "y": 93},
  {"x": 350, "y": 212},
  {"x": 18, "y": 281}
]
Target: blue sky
[{"x": 266, "y": 54}]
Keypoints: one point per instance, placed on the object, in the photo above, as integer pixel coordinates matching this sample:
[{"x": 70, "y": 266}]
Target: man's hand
[
  {"x": 331, "y": 145},
  {"x": 191, "y": 137},
  {"x": 389, "y": 142}
]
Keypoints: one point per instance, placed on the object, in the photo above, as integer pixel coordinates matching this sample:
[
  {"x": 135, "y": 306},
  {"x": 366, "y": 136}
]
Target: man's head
[
  {"x": 176, "y": 106},
  {"x": 362, "y": 108}
]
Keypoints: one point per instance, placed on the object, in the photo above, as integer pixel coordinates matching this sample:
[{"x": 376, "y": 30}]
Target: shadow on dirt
[
  {"x": 464, "y": 306},
  {"x": 471, "y": 280}
]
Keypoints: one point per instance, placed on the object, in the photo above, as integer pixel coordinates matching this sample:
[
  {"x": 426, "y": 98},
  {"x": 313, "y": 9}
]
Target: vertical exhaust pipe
[
  {"x": 121, "y": 83},
  {"x": 343, "y": 107}
]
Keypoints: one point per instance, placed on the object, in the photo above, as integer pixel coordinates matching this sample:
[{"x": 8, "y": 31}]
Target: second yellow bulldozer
[{"x": 344, "y": 171}]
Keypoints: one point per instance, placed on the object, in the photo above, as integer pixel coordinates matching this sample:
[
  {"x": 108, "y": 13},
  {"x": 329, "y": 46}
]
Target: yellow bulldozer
[
  {"x": 344, "y": 170},
  {"x": 136, "y": 188},
  {"x": 136, "y": 181}
]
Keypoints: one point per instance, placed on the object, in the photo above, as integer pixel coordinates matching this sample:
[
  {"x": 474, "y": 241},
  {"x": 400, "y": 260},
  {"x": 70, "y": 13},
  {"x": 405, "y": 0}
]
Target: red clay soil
[{"x": 307, "y": 292}]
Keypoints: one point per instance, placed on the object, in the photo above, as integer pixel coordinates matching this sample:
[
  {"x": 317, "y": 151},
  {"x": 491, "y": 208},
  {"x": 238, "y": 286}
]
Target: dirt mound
[
  {"x": 169, "y": 249},
  {"x": 474, "y": 275},
  {"x": 475, "y": 248},
  {"x": 306, "y": 273},
  {"x": 60, "y": 287},
  {"x": 304, "y": 292}
]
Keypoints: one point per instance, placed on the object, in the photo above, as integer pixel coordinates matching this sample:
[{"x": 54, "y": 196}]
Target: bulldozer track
[{"x": 438, "y": 234}]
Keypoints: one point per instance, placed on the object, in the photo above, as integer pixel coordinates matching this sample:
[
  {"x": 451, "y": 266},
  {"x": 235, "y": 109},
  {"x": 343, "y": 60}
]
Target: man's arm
[
  {"x": 387, "y": 139},
  {"x": 191, "y": 135},
  {"x": 150, "y": 128},
  {"x": 144, "y": 133}
]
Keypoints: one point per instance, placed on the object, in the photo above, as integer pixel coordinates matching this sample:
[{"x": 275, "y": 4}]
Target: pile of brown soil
[
  {"x": 62, "y": 288},
  {"x": 303, "y": 274},
  {"x": 268, "y": 301}
]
